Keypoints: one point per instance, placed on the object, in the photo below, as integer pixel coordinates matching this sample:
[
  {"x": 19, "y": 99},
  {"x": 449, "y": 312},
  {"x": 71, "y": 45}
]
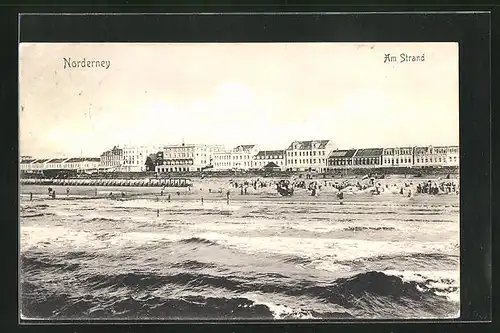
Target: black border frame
[{"x": 471, "y": 30}]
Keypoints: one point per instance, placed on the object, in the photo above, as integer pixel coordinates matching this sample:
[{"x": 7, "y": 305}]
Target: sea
[{"x": 260, "y": 256}]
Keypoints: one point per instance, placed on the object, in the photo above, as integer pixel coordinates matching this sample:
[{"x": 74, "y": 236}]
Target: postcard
[{"x": 230, "y": 181}]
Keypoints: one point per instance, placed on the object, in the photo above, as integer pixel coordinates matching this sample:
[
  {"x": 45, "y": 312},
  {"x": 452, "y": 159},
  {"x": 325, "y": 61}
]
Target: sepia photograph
[{"x": 237, "y": 181}]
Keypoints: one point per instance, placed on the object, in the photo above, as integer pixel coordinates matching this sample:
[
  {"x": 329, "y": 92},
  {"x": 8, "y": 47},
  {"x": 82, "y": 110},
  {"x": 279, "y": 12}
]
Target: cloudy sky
[{"x": 267, "y": 94}]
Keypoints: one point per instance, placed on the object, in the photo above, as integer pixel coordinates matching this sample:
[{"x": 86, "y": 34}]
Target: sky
[{"x": 268, "y": 94}]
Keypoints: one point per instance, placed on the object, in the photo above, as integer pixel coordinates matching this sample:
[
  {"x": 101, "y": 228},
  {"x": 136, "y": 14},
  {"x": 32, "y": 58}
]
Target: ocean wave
[
  {"x": 33, "y": 214},
  {"x": 441, "y": 283},
  {"x": 188, "y": 307},
  {"x": 197, "y": 240},
  {"x": 358, "y": 294},
  {"x": 340, "y": 291},
  {"x": 428, "y": 261},
  {"x": 193, "y": 264},
  {"x": 34, "y": 264},
  {"x": 344, "y": 249},
  {"x": 368, "y": 228}
]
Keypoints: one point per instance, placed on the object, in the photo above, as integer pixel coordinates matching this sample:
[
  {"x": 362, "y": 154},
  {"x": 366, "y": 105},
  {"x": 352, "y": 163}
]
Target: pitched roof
[
  {"x": 420, "y": 149},
  {"x": 369, "y": 152},
  {"x": 245, "y": 147},
  {"x": 28, "y": 161},
  {"x": 43, "y": 160},
  {"x": 342, "y": 153},
  {"x": 307, "y": 145},
  {"x": 392, "y": 149},
  {"x": 271, "y": 165},
  {"x": 57, "y": 160},
  {"x": 271, "y": 153},
  {"x": 83, "y": 159}
]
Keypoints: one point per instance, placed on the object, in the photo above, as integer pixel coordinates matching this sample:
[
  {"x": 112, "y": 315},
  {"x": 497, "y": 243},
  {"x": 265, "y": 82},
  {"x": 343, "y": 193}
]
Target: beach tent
[{"x": 271, "y": 166}]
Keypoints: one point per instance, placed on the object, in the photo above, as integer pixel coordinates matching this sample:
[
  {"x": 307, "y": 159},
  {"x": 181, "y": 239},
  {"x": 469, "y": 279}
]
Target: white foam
[
  {"x": 438, "y": 281},
  {"x": 55, "y": 236},
  {"x": 331, "y": 267},
  {"x": 342, "y": 249},
  {"x": 280, "y": 311}
]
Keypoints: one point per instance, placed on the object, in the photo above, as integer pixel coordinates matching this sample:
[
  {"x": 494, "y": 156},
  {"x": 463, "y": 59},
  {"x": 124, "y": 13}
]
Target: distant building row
[
  {"x": 395, "y": 157},
  {"x": 319, "y": 156},
  {"x": 75, "y": 163},
  {"x": 314, "y": 155}
]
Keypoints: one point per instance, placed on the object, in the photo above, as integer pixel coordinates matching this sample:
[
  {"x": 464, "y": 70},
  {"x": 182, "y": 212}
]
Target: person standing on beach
[
  {"x": 31, "y": 196},
  {"x": 67, "y": 191}
]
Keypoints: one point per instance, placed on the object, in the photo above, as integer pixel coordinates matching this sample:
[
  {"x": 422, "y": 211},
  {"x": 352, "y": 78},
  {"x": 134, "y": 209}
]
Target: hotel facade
[
  {"x": 308, "y": 155},
  {"x": 112, "y": 159},
  {"x": 436, "y": 156},
  {"x": 367, "y": 157},
  {"x": 269, "y": 157},
  {"x": 187, "y": 157},
  {"x": 134, "y": 157},
  {"x": 402, "y": 156},
  {"x": 239, "y": 158}
]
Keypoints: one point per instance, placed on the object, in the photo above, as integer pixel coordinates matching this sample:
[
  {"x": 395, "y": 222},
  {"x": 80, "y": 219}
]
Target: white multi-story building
[
  {"x": 308, "y": 155},
  {"x": 239, "y": 158},
  {"x": 188, "y": 157},
  {"x": 264, "y": 157},
  {"x": 453, "y": 156},
  {"x": 430, "y": 156},
  {"x": 134, "y": 157},
  {"x": 112, "y": 159},
  {"x": 397, "y": 157}
]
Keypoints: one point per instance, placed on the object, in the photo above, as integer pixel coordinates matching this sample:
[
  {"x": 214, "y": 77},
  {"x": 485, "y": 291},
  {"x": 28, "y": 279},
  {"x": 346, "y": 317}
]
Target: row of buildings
[
  {"x": 29, "y": 163},
  {"x": 313, "y": 155}
]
